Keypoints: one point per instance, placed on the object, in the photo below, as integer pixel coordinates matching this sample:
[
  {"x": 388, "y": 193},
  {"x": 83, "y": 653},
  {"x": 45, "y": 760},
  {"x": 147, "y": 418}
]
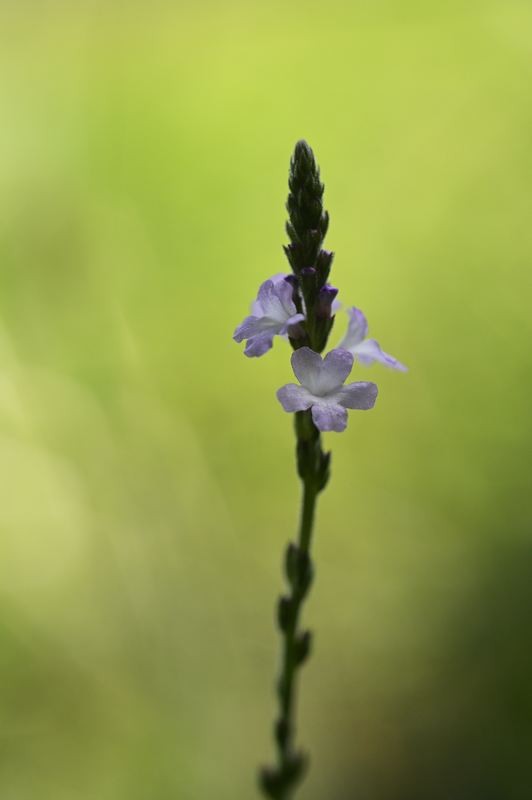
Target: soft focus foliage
[{"x": 147, "y": 478}]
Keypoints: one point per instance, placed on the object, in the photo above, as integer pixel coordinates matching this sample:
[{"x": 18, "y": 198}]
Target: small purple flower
[
  {"x": 273, "y": 313},
  {"x": 322, "y": 388},
  {"x": 366, "y": 350}
]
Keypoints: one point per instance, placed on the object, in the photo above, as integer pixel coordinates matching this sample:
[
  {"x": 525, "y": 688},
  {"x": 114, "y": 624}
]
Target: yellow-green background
[{"x": 147, "y": 483}]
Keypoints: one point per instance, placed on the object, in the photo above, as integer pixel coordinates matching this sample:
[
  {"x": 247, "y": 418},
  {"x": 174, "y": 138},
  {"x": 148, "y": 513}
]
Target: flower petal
[
  {"x": 274, "y": 300},
  {"x": 291, "y": 322},
  {"x": 284, "y": 292},
  {"x": 307, "y": 367},
  {"x": 329, "y": 417},
  {"x": 279, "y": 276},
  {"x": 263, "y": 301},
  {"x": 357, "y": 329},
  {"x": 370, "y": 351},
  {"x": 257, "y": 308},
  {"x": 251, "y": 326},
  {"x": 294, "y": 398},
  {"x": 360, "y": 395},
  {"x": 260, "y": 344},
  {"x": 335, "y": 368}
]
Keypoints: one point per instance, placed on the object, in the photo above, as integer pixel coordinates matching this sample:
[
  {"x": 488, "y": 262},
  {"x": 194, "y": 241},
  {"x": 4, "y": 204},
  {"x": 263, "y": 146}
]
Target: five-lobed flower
[
  {"x": 322, "y": 388},
  {"x": 274, "y": 313}
]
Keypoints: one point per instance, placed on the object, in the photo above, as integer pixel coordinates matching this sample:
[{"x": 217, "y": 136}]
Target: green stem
[
  {"x": 313, "y": 467},
  {"x": 308, "y": 507},
  {"x": 290, "y": 636}
]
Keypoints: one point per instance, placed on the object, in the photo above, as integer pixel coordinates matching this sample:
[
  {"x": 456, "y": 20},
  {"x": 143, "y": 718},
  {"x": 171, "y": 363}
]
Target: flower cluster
[
  {"x": 322, "y": 382},
  {"x": 301, "y": 307}
]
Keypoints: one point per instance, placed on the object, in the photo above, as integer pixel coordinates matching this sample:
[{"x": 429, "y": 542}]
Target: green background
[{"x": 147, "y": 482}]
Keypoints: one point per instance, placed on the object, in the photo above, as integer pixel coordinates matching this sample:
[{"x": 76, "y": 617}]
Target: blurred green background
[{"x": 147, "y": 481}]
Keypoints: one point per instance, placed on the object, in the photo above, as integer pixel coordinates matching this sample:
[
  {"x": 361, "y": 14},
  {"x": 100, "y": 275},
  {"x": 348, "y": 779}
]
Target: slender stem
[
  {"x": 290, "y": 635},
  {"x": 280, "y": 781},
  {"x": 290, "y": 662},
  {"x": 308, "y": 507}
]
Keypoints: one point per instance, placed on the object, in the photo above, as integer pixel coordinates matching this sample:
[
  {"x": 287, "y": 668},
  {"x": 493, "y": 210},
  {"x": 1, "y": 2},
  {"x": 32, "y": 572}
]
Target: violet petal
[
  {"x": 329, "y": 417},
  {"x": 290, "y": 323},
  {"x": 370, "y": 351},
  {"x": 294, "y": 398},
  {"x": 336, "y": 367},
  {"x": 360, "y": 395},
  {"x": 357, "y": 329},
  {"x": 307, "y": 366},
  {"x": 258, "y": 345},
  {"x": 251, "y": 326}
]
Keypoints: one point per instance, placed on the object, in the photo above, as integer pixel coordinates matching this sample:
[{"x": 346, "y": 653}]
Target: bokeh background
[{"x": 147, "y": 483}]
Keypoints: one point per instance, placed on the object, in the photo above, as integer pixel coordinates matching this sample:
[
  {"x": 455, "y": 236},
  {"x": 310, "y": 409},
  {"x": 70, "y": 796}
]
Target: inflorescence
[{"x": 301, "y": 307}]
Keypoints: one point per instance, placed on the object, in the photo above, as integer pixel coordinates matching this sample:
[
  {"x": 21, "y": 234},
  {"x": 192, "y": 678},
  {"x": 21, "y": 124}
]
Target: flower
[
  {"x": 366, "y": 350},
  {"x": 273, "y": 313},
  {"x": 322, "y": 388}
]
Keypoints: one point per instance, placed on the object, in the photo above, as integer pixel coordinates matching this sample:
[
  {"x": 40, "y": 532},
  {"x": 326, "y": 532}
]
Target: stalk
[{"x": 307, "y": 226}]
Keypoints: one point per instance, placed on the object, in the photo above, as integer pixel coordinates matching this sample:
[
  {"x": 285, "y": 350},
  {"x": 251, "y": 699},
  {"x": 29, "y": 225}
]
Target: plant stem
[
  {"x": 308, "y": 506},
  {"x": 289, "y": 661},
  {"x": 307, "y": 226},
  {"x": 313, "y": 467}
]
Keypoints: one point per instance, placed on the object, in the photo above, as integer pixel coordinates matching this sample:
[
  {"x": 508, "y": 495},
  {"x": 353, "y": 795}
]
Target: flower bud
[
  {"x": 326, "y": 296},
  {"x": 323, "y": 265}
]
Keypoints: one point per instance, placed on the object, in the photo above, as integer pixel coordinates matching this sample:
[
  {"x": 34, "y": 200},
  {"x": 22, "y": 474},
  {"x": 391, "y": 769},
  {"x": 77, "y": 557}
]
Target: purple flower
[
  {"x": 273, "y": 313},
  {"x": 366, "y": 350},
  {"x": 322, "y": 388}
]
